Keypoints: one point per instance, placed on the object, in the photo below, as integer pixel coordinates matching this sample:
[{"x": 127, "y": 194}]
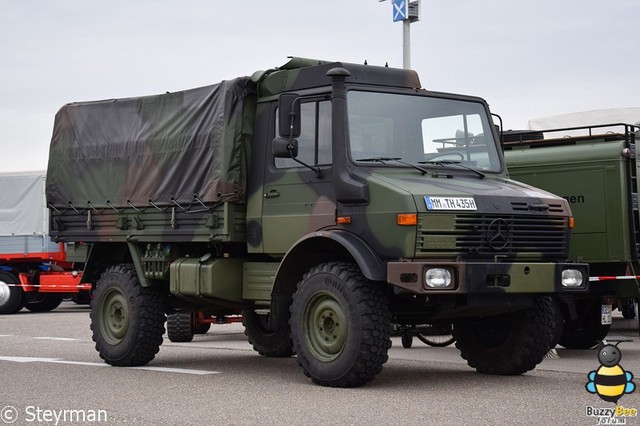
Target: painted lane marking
[
  {"x": 178, "y": 370},
  {"x": 63, "y": 339},
  {"x": 23, "y": 359}
]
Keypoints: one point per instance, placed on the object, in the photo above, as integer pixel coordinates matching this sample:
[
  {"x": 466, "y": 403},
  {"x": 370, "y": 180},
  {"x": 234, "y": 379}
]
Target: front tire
[
  {"x": 266, "y": 341},
  {"x": 12, "y": 297},
  {"x": 508, "y": 344},
  {"x": 127, "y": 319},
  {"x": 340, "y": 325}
]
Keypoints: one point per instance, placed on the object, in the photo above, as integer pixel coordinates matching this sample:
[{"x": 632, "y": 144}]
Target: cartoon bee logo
[{"x": 610, "y": 381}]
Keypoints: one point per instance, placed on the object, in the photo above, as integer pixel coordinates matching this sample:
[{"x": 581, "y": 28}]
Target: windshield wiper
[
  {"x": 383, "y": 160},
  {"x": 454, "y": 163}
]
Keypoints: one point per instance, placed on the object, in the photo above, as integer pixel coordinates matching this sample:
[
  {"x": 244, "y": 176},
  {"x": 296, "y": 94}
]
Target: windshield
[{"x": 420, "y": 130}]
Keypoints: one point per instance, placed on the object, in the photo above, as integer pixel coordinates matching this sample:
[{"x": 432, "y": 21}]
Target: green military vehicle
[
  {"x": 325, "y": 201},
  {"x": 595, "y": 168}
]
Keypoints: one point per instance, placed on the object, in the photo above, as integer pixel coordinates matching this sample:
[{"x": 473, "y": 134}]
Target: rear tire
[
  {"x": 508, "y": 344},
  {"x": 340, "y": 325},
  {"x": 629, "y": 309},
  {"x": 81, "y": 298},
  {"x": 180, "y": 327},
  {"x": 127, "y": 319},
  {"x": 267, "y": 342},
  {"x": 587, "y": 332},
  {"x": 406, "y": 339},
  {"x": 200, "y": 327},
  {"x": 48, "y": 302},
  {"x": 12, "y": 297}
]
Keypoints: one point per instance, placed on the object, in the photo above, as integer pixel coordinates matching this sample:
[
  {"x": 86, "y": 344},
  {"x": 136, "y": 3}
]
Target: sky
[{"x": 527, "y": 58}]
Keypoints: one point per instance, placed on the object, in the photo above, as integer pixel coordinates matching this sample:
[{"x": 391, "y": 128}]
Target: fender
[
  {"x": 321, "y": 246},
  {"x": 103, "y": 254},
  {"x": 315, "y": 248},
  {"x": 372, "y": 267}
]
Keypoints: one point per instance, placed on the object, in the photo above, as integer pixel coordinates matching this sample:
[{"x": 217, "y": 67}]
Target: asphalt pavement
[{"x": 50, "y": 373}]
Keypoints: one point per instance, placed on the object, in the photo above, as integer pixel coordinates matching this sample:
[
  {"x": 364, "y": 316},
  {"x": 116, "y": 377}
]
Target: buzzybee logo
[{"x": 610, "y": 381}]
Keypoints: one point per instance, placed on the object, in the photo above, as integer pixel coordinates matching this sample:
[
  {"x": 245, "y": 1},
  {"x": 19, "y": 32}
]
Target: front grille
[
  {"x": 527, "y": 207},
  {"x": 474, "y": 235}
]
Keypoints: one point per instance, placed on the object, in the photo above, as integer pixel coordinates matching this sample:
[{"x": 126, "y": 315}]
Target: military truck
[
  {"x": 326, "y": 200},
  {"x": 34, "y": 272},
  {"x": 595, "y": 168}
]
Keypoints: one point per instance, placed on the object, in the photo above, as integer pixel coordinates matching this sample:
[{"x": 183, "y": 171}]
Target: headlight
[
  {"x": 437, "y": 277},
  {"x": 571, "y": 278}
]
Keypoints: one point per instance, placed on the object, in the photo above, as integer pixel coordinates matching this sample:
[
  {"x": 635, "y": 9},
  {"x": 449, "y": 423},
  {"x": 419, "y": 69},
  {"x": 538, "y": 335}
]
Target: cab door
[{"x": 298, "y": 200}]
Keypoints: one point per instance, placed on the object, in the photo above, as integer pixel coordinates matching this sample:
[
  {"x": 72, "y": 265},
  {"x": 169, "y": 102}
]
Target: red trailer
[{"x": 34, "y": 272}]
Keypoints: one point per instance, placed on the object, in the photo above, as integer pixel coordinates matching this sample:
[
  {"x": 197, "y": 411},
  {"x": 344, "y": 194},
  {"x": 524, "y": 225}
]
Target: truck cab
[{"x": 417, "y": 177}]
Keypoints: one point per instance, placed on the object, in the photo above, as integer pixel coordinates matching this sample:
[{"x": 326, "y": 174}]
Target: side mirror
[
  {"x": 285, "y": 148},
  {"x": 289, "y": 115}
]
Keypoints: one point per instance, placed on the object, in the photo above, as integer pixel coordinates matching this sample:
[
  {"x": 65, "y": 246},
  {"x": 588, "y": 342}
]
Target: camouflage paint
[
  {"x": 290, "y": 215},
  {"x": 163, "y": 149}
]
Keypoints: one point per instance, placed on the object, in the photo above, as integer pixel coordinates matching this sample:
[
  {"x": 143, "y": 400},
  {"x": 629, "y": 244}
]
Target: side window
[{"x": 314, "y": 142}]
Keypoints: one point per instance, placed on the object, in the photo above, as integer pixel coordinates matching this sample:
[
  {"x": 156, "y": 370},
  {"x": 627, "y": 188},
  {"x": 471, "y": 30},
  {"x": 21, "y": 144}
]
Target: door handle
[{"x": 272, "y": 194}]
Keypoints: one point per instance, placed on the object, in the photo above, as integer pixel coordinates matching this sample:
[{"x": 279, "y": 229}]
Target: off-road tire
[
  {"x": 267, "y": 342},
  {"x": 559, "y": 324},
  {"x": 508, "y": 344},
  {"x": 629, "y": 310},
  {"x": 406, "y": 339},
  {"x": 127, "y": 319},
  {"x": 180, "y": 327},
  {"x": 201, "y": 327},
  {"x": 81, "y": 298},
  {"x": 586, "y": 334},
  {"x": 48, "y": 302},
  {"x": 340, "y": 325},
  {"x": 12, "y": 297}
]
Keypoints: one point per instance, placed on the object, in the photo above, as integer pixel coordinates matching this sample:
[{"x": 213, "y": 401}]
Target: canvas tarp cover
[
  {"x": 22, "y": 208},
  {"x": 155, "y": 148}
]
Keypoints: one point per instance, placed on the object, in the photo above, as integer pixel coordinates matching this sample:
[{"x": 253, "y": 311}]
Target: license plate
[
  {"x": 606, "y": 315},
  {"x": 450, "y": 203}
]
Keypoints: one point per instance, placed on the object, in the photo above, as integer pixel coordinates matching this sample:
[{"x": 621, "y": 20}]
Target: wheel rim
[
  {"x": 325, "y": 327},
  {"x": 114, "y": 315},
  {"x": 5, "y": 293}
]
